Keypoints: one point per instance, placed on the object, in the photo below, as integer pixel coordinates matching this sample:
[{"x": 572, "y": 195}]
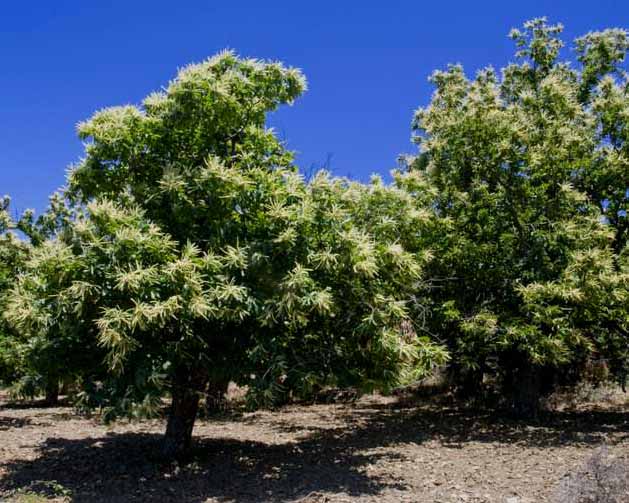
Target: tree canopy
[
  {"x": 195, "y": 252},
  {"x": 523, "y": 171}
]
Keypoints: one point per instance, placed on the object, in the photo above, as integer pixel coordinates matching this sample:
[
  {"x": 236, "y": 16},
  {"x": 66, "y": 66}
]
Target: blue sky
[{"x": 366, "y": 62}]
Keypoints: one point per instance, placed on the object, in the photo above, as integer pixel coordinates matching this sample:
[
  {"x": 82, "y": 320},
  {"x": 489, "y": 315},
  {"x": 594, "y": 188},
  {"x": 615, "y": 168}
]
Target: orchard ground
[{"x": 384, "y": 449}]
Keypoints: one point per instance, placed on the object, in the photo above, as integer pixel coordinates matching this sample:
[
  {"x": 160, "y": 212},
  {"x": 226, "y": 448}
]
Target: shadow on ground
[
  {"x": 35, "y": 404},
  {"x": 126, "y": 467},
  {"x": 10, "y": 423}
]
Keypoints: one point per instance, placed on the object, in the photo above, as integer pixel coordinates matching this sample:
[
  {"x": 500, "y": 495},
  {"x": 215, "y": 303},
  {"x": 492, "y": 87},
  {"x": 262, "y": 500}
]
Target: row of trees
[{"x": 186, "y": 251}]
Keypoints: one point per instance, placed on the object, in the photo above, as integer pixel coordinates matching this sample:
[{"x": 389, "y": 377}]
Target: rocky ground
[{"x": 376, "y": 449}]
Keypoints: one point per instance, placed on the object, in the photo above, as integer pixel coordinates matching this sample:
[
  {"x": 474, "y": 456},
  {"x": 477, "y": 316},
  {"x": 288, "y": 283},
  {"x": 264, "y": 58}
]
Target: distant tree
[
  {"x": 32, "y": 365},
  {"x": 13, "y": 254},
  {"x": 519, "y": 167}
]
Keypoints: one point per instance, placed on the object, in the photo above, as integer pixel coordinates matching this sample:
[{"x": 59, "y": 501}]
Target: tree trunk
[
  {"x": 468, "y": 383},
  {"x": 66, "y": 387},
  {"x": 526, "y": 391},
  {"x": 187, "y": 388},
  {"x": 52, "y": 392},
  {"x": 215, "y": 396}
]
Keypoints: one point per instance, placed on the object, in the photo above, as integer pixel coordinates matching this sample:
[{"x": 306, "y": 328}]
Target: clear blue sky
[{"x": 366, "y": 62}]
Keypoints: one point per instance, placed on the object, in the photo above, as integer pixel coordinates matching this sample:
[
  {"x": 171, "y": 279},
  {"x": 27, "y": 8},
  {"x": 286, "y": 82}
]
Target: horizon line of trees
[{"x": 186, "y": 251}]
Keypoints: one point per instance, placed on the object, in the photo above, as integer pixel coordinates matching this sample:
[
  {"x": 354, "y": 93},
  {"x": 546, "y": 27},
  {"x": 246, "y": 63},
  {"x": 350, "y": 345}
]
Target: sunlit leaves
[
  {"x": 517, "y": 168},
  {"x": 192, "y": 246}
]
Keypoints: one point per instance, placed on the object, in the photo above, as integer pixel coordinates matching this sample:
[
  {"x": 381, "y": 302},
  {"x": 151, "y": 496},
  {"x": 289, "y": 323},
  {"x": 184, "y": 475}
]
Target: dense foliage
[
  {"x": 187, "y": 251},
  {"x": 520, "y": 166},
  {"x": 13, "y": 253},
  {"x": 197, "y": 254}
]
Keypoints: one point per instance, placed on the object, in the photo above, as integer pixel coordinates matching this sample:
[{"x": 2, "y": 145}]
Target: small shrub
[
  {"x": 40, "y": 491},
  {"x": 583, "y": 393}
]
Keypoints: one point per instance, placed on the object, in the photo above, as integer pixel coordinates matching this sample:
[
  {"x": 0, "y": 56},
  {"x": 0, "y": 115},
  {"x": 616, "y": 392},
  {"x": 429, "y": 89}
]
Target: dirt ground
[{"x": 376, "y": 449}]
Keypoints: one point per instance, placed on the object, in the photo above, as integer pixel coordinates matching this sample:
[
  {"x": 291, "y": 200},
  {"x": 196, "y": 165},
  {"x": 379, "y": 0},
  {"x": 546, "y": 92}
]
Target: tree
[
  {"x": 32, "y": 365},
  {"x": 13, "y": 256},
  {"x": 196, "y": 252},
  {"x": 505, "y": 159},
  {"x": 604, "y": 95},
  {"x": 359, "y": 251}
]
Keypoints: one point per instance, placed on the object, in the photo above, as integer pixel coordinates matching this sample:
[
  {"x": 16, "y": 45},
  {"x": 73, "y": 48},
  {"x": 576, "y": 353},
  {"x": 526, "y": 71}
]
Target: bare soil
[{"x": 376, "y": 449}]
